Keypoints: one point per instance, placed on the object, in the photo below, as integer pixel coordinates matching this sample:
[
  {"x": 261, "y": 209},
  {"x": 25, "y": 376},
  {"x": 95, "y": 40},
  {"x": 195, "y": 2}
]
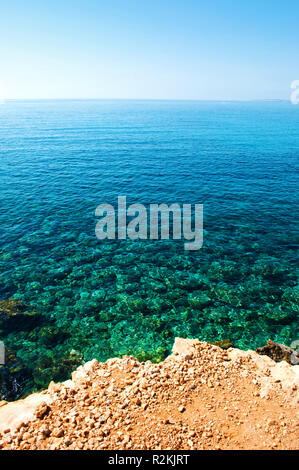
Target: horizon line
[{"x": 146, "y": 99}]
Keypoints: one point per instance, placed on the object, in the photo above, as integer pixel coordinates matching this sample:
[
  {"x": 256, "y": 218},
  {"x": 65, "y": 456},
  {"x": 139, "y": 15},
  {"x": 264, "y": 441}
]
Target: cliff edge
[{"x": 200, "y": 397}]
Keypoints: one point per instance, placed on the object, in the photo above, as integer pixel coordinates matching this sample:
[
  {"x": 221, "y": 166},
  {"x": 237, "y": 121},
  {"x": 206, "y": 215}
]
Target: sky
[{"x": 148, "y": 49}]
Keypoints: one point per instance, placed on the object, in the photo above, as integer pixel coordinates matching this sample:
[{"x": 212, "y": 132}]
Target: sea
[{"x": 67, "y": 297}]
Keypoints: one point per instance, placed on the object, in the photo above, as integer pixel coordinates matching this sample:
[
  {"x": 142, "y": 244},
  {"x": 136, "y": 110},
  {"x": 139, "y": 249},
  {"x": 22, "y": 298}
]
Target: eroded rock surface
[
  {"x": 200, "y": 397},
  {"x": 279, "y": 352}
]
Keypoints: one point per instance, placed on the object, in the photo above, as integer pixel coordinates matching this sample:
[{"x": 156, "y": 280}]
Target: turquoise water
[{"x": 97, "y": 299}]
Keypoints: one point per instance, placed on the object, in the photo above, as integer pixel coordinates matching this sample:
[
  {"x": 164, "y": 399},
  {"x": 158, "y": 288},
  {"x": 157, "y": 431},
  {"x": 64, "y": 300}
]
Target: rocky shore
[{"x": 200, "y": 397}]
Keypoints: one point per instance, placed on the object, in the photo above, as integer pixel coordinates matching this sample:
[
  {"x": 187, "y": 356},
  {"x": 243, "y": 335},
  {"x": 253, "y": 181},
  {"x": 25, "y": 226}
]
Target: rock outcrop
[
  {"x": 200, "y": 397},
  {"x": 279, "y": 352}
]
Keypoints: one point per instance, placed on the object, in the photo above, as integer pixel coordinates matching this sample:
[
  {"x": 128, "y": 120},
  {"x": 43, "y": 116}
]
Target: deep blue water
[{"x": 60, "y": 159}]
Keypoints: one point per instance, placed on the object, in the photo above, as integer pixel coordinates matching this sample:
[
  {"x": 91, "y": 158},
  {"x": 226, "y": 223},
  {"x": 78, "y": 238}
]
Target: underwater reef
[{"x": 134, "y": 298}]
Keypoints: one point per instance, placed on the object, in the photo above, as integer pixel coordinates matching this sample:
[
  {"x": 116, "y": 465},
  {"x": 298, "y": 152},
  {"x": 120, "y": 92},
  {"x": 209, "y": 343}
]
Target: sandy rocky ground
[{"x": 200, "y": 397}]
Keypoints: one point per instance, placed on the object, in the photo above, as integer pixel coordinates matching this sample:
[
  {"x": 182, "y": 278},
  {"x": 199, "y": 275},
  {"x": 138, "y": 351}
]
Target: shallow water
[{"x": 61, "y": 159}]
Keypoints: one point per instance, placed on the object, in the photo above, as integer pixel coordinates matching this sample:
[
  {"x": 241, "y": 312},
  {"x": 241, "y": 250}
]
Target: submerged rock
[
  {"x": 224, "y": 344},
  {"x": 13, "y": 376},
  {"x": 15, "y": 315}
]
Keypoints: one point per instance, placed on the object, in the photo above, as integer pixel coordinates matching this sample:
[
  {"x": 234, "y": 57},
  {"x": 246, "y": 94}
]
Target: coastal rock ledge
[{"x": 199, "y": 397}]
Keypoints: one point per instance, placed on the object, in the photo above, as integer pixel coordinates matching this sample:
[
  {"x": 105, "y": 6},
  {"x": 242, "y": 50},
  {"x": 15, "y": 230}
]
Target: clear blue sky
[{"x": 172, "y": 49}]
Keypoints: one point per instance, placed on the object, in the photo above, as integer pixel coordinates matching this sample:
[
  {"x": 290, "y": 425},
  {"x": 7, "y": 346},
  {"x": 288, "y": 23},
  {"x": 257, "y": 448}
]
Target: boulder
[{"x": 279, "y": 352}]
